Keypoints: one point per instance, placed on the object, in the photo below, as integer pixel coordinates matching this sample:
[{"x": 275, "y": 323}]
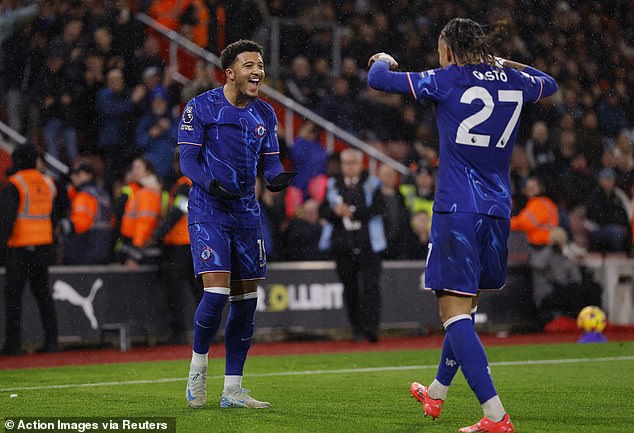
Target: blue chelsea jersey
[
  {"x": 478, "y": 110},
  {"x": 232, "y": 140}
]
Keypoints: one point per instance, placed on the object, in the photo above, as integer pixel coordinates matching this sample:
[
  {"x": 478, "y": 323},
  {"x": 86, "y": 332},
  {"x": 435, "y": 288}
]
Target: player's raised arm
[
  {"x": 382, "y": 76},
  {"x": 547, "y": 84}
]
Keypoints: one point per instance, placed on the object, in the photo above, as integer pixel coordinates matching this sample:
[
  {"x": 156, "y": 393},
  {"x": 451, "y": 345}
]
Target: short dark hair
[
  {"x": 467, "y": 40},
  {"x": 231, "y": 52},
  {"x": 24, "y": 157}
]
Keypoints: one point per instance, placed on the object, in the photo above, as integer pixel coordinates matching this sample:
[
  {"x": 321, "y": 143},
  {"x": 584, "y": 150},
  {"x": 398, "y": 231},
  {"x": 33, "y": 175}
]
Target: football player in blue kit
[
  {"x": 478, "y": 99},
  {"x": 224, "y": 134}
]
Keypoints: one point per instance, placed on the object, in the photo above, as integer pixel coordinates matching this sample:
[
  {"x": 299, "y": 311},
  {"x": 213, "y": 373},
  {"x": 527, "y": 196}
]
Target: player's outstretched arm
[
  {"x": 382, "y": 77},
  {"x": 549, "y": 83}
]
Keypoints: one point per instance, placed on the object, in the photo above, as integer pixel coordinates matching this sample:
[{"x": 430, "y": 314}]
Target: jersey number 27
[{"x": 464, "y": 134}]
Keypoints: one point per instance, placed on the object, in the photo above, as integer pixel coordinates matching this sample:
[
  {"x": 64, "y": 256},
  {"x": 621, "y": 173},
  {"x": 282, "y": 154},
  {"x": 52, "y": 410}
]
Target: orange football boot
[
  {"x": 431, "y": 406},
  {"x": 485, "y": 425}
]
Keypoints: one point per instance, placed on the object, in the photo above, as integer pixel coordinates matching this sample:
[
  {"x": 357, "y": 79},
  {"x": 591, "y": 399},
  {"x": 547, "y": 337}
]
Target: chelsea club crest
[{"x": 260, "y": 130}]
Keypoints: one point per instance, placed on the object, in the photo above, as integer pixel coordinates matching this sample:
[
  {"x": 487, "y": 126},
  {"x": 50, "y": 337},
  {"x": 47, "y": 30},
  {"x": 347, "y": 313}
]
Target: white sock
[
  {"x": 493, "y": 409},
  {"x": 232, "y": 383},
  {"x": 200, "y": 360},
  {"x": 437, "y": 390}
]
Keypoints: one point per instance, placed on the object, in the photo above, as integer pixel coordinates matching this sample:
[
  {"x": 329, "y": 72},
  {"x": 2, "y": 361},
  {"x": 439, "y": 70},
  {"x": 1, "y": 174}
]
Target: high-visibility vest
[
  {"x": 90, "y": 209},
  {"x": 178, "y": 235},
  {"x": 127, "y": 222},
  {"x": 538, "y": 218},
  {"x": 141, "y": 216},
  {"x": 33, "y": 224}
]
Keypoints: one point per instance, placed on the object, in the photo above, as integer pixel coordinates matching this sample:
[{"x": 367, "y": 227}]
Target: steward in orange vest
[
  {"x": 26, "y": 229},
  {"x": 176, "y": 264},
  {"x": 141, "y": 215},
  {"x": 87, "y": 231},
  {"x": 539, "y": 217}
]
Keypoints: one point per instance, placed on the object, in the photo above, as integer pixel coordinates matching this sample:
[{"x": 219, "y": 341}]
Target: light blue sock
[
  {"x": 207, "y": 318},
  {"x": 471, "y": 357},
  {"x": 239, "y": 332}
]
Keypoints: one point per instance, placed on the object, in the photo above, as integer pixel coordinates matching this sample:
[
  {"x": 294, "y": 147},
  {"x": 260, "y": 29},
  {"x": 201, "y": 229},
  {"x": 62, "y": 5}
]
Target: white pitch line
[{"x": 320, "y": 372}]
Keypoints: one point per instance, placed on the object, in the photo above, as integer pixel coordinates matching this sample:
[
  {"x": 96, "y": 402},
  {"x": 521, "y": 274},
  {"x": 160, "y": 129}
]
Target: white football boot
[
  {"x": 197, "y": 387},
  {"x": 241, "y": 398}
]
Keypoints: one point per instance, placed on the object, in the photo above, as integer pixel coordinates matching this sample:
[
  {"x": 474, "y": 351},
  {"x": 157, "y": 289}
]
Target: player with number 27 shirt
[{"x": 478, "y": 100}]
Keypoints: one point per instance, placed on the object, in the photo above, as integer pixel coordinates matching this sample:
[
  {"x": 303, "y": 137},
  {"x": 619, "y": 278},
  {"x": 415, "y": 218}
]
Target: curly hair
[
  {"x": 231, "y": 52},
  {"x": 467, "y": 40}
]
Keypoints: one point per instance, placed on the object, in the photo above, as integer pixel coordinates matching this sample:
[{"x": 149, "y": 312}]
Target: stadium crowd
[{"x": 92, "y": 86}]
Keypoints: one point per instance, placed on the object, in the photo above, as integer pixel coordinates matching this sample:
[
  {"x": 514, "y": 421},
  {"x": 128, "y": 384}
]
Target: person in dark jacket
[
  {"x": 356, "y": 237},
  {"x": 26, "y": 229},
  {"x": 87, "y": 230}
]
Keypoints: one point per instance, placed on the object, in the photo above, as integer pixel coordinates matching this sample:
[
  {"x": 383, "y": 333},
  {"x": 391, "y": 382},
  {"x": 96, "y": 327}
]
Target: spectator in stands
[
  {"x": 152, "y": 78},
  {"x": 610, "y": 230},
  {"x": 176, "y": 265},
  {"x": 539, "y": 217},
  {"x": 127, "y": 34},
  {"x": 70, "y": 43},
  {"x": 612, "y": 114},
  {"x": 147, "y": 56},
  {"x": 116, "y": 112},
  {"x": 339, "y": 107},
  {"x": 26, "y": 229},
  {"x": 589, "y": 139},
  {"x": 381, "y": 112},
  {"x": 301, "y": 238},
  {"x": 418, "y": 245},
  {"x": 94, "y": 79},
  {"x": 323, "y": 82},
  {"x": 557, "y": 280},
  {"x": 419, "y": 192},
  {"x": 308, "y": 156},
  {"x": 576, "y": 183},
  {"x": 87, "y": 231},
  {"x": 396, "y": 216},
  {"x": 355, "y": 235},
  {"x": 156, "y": 133},
  {"x": 112, "y": 58},
  {"x": 624, "y": 165},
  {"x": 300, "y": 83},
  {"x": 19, "y": 51},
  {"x": 12, "y": 16},
  {"x": 141, "y": 215},
  {"x": 202, "y": 81},
  {"x": 355, "y": 77},
  {"x": 540, "y": 151},
  {"x": 59, "y": 91}
]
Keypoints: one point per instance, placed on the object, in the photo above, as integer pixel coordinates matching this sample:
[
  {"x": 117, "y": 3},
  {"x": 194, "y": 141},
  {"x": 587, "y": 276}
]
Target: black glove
[
  {"x": 219, "y": 191},
  {"x": 281, "y": 181}
]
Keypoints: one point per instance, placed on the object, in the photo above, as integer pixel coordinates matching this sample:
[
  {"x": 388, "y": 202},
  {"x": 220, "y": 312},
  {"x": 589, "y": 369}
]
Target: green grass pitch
[{"x": 556, "y": 388}]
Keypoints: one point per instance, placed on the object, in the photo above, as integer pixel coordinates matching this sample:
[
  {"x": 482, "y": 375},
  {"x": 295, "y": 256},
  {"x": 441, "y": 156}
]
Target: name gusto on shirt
[{"x": 491, "y": 75}]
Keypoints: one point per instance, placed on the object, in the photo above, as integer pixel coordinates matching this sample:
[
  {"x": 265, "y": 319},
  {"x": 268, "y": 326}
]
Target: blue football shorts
[
  {"x": 466, "y": 253},
  {"x": 222, "y": 248}
]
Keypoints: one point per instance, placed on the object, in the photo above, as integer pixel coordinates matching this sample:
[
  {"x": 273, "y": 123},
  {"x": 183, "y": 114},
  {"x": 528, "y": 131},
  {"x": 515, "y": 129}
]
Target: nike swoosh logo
[
  {"x": 247, "y": 339},
  {"x": 202, "y": 326},
  {"x": 190, "y": 397}
]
